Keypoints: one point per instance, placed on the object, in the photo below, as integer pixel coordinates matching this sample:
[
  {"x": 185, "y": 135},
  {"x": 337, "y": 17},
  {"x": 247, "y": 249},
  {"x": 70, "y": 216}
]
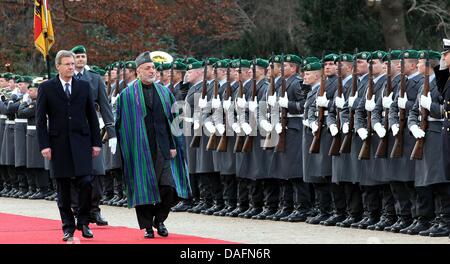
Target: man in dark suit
[
  {"x": 71, "y": 140},
  {"x": 106, "y": 119}
]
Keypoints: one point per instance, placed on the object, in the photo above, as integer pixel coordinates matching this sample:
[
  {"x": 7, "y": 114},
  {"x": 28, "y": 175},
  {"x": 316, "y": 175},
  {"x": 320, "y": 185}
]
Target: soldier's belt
[
  {"x": 10, "y": 122},
  {"x": 3, "y": 117},
  {"x": 291, "y": 115},
  {"x": 20, "y": 120},
  {"x": 31, "y": 127},
  {"x": 432, "y": 119},
  {"x": 325, "y": 113}
]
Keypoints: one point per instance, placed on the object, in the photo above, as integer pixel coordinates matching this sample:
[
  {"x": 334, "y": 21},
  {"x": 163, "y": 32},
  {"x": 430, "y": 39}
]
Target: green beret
[
  {"x": 179, "y": 66},
  {"x": 166, "y": 66},
  {"x": 261, "y": 63},
  {"x": 234, "y": 63},
  {"x": 222, "y": 64},
  {"x": 244, "y": 63},
  {"x": 26, "y": 79},
  {"x": 79, "y": 49},
  {"x": 344, "y": 57},
  {"x": 211, "y": 61},
  {"x": 313, "y": 66},
  {"x": 330, "y": 57},
  {"x": 195, "y": 65},
  {"x": 378, "y": 55},
  {"x": 395, "y": 55},
  {"x": 364, "y": 55},
  {"x": 8, "y": 75},
  {"x": 118, "y": 64},
  {"x": 276, "y": 59},
  {"x": 190, "y": 60},
  {"x": 101, "y": 71},
  {"x": 130, "y": 65},
  {"x": 410, "y": 54},
  {"x": 157, "y": 65},
  {"x": 17, "y": 78},
  {"x": 309, "y": 60},
  {"x": 292, "y": 58},
  {"x": 432, "y": 55}
]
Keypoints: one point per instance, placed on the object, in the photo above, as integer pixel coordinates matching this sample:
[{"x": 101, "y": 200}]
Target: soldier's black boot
[{"x": 266, "y": 212}]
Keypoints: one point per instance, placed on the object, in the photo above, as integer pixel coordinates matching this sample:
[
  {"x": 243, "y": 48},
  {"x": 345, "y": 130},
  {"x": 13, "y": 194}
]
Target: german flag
[{"x": 43, "y": 29}]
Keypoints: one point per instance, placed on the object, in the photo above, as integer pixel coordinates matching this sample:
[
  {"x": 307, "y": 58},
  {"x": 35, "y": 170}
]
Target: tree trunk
[{"x": 393, "y": 21}]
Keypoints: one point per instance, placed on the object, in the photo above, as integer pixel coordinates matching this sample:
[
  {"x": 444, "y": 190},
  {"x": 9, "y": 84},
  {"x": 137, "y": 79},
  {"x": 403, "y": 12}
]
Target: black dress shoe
[
  {"x": 161, "y": 229},
  {"x": 356, "y": 225},
  {"x": 149, "y": 233},
  {"x": 266, "y": 212},
  {"x": 318, "y": 218},
  {"x": 182, "y": 206},
  {"x": 85, "y": 231},
  {"x": 225, "y": 211},
  {"x": 39, "y": 195},
  {"x": 380, "y": 226},
  {"x": 252, "y": 212},
  {"x": 284, "y": 213},
  {"x": 419, "y": 227},
  {"x": 369, "y": 222},
  {"x": 441, "y": 231},
  {"x": 270, "y": 217},
  {"x": 200, "y": 207},
  {"x": 427, "y": 232},
  {"x": 404, "y": 223},
  {"x": 411, "y": 226},
  {"x": 67, "y": 236},
  {"x": 334, "y": 219},
  {"x": 98, "y": 219},
  {"x": 213, "y": 209},
  {"x": 236, "y": 212},
  {"x": 296, "y": 216}
]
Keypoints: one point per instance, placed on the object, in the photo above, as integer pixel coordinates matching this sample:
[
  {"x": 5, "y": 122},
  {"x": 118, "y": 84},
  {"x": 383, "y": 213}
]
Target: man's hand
[
  {"x": 173, "y": 153},
  {"x": 47, "y": 153},
  {"x": 362, "y": 133},
  {"x": 340, "y": 102},
  {"x": 387, "y": 100},
  {"x": 96, "y": 151},
  {"x": 370, "y": 104},
  {"x": 272, "y": 100},
  {"x": 334, "y": 130},
  {"x": 352, "y": 99},
  {"x": 395, "y": 129},
  {"x": 283, "y": 101},
  {"x": 402, "y": 102},
  {"x": 322, "y": 101},
  {"x": 345, "y": 128}
]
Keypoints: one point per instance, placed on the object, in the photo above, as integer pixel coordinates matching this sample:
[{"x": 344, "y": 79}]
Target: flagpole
[{"x": 47, "y": 56}]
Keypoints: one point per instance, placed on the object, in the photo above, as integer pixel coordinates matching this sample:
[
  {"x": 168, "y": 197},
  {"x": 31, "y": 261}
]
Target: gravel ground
[{"x": 230, "y": 229}]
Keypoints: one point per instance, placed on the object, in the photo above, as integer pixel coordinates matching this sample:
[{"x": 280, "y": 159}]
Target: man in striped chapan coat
[{"x": 155, "y": 171}]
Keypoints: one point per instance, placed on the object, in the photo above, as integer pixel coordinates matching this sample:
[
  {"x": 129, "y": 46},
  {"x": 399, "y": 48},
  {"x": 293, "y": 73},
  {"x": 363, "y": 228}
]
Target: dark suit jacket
[{"x": 73, "y": 127}]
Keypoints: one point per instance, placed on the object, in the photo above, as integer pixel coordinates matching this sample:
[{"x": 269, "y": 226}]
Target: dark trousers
[
  {"x": 13, "y": 178},
  {"x": 256, "y": 191},
  {"x": 271, "y": 193},
  {"x": 323, "y": 197},
  {"x": 353, "y": 198},
  {"x": 40, "y": 178},
  {"x": 229, "y": 189},
  {"x": 339, "y": 200},
  {"x": 215, "y": 187},
  {"x": 301, "y": 194},
  {"x": 243, "y": 192},
  {"x": 286, "y": 195},
  {"x": 425, "y": 204},
  {"x": 402, "y": 195},
  {"x": 5, "y": 177},
  {"x": 96, "y": 195},
  {"x": 378, "y": 200},
  {"x": 64, "y": 189},
  {"x": 22, "y": 178},
  {"x": 441, "y": 193},
  {"x": 149, "y": 214},
  {"x": 203, "y": 186},
  {"x": 193, "y": 179},
  {"x": 108, "y": 184}
]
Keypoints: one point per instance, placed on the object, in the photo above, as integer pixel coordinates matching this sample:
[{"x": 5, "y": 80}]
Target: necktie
[
  {"x": 79, "y": 75},
  {"x": 66, "y": 90}
]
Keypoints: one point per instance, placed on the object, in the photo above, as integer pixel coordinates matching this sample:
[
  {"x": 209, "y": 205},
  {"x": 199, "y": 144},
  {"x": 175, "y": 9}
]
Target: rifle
[
  {"x": 108, "y": 88},
  {"x": 281, "y": 146},
  {"x": 417, "y": 153},
  {"x": 336, "y": 143},
  {"x": 117, "y": 88},
  {"x": 223, "y": 143},
  {"x": 315, "y": 145},
  {"x": 248, "y": 144},
  {"x": 397, "y": 150},
  {"x": 239, "y": 144},
  {"x": 382, "y": 148},
  {"x": 364, "y": 153},
  {"x": 212, "y": 141},
  {"x": 346, "y": 146},
  {"x": 171, "y": 78},
  {"x": 267, "y": 144},
  {"x": 195, "y": 143}
]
